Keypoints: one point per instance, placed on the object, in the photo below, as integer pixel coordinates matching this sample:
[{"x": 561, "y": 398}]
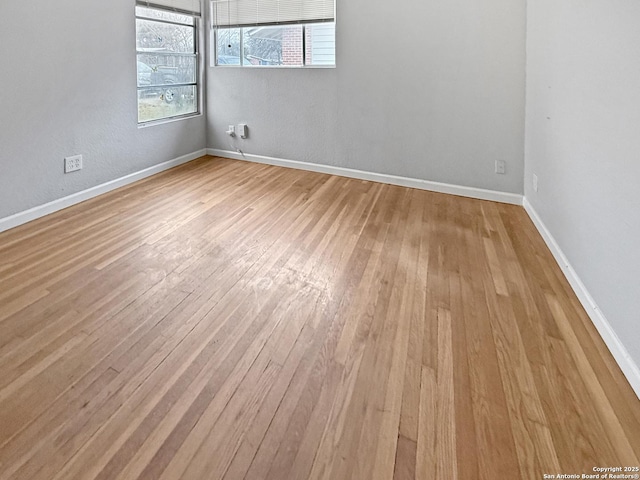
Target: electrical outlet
[
  {"x": 534, "y": 180},
  {"x": 231, "y": 131},
  {"x": 500, "y": 167},
  {"x": 71, "y": 164}
]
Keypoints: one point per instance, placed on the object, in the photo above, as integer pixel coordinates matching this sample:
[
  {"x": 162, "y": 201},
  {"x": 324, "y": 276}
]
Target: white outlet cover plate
[{"x": 73, "y": 163}]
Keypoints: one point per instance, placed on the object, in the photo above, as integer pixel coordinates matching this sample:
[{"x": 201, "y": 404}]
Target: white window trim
[{"x": 198, "y": 63}]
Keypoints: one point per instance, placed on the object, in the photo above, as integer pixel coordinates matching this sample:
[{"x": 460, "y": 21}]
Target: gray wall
[
  {"x": 432, "y": 90},
  {"x": 583, "y": 142},
  {"x": 67, "y": 86}
]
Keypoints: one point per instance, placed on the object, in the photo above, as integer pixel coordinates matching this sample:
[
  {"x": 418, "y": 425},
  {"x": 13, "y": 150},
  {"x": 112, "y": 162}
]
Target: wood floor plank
[
  {"x": 446, "y": 447},
  {"x": 426, "y": 458},
  {"x": 229, "y": 320},
  {"x": 490, "y": 411}
]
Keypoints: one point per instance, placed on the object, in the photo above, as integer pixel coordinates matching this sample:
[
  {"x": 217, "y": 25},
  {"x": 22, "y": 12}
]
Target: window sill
[{"x": 274, "y": 67}]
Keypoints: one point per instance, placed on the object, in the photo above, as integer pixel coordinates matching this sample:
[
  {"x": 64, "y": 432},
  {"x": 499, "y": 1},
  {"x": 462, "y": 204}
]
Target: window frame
[
  {"x": 214, "y": 45},
  {"x": 197, "y": 83},
  {"x": 302, "y": 21}
]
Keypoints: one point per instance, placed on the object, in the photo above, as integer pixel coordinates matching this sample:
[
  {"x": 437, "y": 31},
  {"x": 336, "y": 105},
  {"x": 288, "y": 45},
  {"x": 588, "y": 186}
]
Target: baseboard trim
[
  {"x": 459, "y": 190},
  {"x": 34, "y": 213},
  {"x": 611, "y": 339}
]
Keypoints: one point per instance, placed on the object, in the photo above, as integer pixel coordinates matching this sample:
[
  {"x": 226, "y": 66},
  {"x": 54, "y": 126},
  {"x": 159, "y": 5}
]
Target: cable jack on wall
[{"x": 242, "y": 131}]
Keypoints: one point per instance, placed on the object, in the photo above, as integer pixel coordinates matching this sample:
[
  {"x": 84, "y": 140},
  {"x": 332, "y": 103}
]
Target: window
[
  {"x": 291, "y": 33},
  {"x": 167, "y": 62}
]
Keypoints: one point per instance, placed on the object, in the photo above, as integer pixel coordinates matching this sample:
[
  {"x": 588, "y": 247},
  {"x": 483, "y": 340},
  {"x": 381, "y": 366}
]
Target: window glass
[
  {"x": 274, "y": 45},
  {"x": 167, "y": 65},
  {"x": 164, "y": 37},
  {"x": 320, "y": 44},
  {"x": 159, "y": 69},
  {"x": 286, "y": 46},
  {"x": 228, "y": 46},
  {"x": 166, "y": 102}
]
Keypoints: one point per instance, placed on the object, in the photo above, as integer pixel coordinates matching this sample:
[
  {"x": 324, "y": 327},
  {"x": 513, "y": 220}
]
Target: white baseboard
[
  {"x": 471, "y": 192},
  {"x": 64, "y": 202},
  {"x": 611, "y": 339}
]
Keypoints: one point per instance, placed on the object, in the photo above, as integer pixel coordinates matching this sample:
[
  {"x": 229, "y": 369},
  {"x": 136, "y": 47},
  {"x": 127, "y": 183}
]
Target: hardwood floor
[{"x": 233, "y": 320}]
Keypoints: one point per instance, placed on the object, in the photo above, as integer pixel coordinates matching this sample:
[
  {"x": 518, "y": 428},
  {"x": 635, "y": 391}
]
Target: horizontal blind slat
[{"x": 228, "y": 13}]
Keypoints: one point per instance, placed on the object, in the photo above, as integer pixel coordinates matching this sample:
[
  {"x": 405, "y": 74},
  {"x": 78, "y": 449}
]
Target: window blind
[
  {"x": 192, "y": 7},
  {"x": 244, "y": 13}
]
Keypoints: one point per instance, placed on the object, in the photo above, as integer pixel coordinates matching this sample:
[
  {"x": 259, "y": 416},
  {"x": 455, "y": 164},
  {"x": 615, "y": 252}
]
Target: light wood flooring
[{"x": 233, "y": 320}]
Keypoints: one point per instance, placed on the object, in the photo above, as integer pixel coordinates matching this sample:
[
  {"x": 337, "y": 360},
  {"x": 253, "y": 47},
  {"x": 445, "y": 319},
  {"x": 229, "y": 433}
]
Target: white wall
[
  {"x": 67, "y": 86},
  {"x": 583, "y": 142},
  {"x": 429, "y": 90}
]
